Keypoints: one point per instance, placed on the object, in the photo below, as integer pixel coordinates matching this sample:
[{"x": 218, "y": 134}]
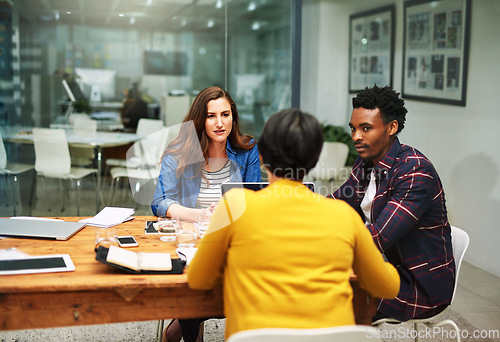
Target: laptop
[
  {"x": 39, "y": 229},
  {"x": 253, "y": 186}
]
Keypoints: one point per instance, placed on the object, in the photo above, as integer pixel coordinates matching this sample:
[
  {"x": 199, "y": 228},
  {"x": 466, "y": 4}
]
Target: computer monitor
[
  {"x": 100, "y": 82},
  {"x": 73, "y": 90}
]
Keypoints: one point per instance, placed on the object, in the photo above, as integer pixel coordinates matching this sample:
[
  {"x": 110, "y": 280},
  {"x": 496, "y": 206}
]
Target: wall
[{"x": 462, "y": 142}]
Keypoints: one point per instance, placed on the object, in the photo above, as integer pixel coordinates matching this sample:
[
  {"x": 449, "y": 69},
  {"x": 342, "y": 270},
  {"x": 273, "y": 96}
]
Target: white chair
[
  {"x": 459, "y": 242},
  {"x": 11, "y": 169},
  {"x": 347, "y": 333},
  {"x": 330, "y": 165},
  {"x": 143, "y": 166},
  {"x": 176, "y": 108},
  {"x": 144, "y": 128},
  {"x": 83, "y": 125},
  {"x": 53, "y": 160}
]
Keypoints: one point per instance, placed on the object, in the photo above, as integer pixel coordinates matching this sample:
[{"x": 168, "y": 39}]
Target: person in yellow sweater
[{"x": 285, "y": 254}]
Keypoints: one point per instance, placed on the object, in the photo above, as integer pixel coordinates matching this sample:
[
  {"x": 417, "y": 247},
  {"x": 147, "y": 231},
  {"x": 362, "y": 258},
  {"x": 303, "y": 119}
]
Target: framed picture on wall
[
  {"x": 436, "y": 50},
  {"x": 371, "y": 48}
]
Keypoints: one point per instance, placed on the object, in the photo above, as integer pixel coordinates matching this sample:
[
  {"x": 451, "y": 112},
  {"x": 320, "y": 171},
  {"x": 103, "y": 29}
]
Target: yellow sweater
[{"x": 286, "y": 255}]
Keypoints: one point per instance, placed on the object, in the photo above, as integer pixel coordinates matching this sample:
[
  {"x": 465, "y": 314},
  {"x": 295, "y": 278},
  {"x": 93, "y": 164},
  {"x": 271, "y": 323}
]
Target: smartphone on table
[{"x": 127, "y": 241}]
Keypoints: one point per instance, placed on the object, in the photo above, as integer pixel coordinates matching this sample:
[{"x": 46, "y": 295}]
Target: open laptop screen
[{"x": 253, "y": 186}]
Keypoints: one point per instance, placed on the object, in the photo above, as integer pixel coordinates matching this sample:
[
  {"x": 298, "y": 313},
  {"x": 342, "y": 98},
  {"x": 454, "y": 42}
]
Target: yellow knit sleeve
[{"x": 206, "y": 268}]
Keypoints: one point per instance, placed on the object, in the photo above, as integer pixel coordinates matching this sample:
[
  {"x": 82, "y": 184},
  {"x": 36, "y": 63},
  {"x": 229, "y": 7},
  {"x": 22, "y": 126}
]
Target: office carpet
[{"x": 214, "y": 332}]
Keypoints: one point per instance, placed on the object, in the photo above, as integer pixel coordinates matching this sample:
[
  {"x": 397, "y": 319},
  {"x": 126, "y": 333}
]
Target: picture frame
[
  {"x": 436, "y": 51},
  {"x": 371, "y": 48}
]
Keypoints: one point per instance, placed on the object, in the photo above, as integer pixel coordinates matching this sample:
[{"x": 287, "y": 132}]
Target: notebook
[
  {"x": 39, "y": 229},
  {"x": 253, "y": 186}
]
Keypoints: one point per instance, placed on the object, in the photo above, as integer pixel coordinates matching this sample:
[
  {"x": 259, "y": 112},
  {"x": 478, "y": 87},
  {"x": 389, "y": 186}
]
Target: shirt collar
[
  {"x": 390, "y": 156},
  {"x": 387, "y": 161},
  {"x": 229, "y": 149}
]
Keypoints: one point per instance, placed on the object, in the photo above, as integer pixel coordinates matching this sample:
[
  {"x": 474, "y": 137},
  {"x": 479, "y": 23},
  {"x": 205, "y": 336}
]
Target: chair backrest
[
  {"x": 148, "y": 126},
  {"x": 176, "y": 108},
  {"x": 84, "y": 125},
  {"x": 143, "y": 169},
  {"x": 3, "y": 154},
  {"x": 459, "y": 243},
  {"x": 331, "y": 160},
  {"x": 52, "y": 157},
  {"x": 76, "y": 116},
  {"x": 348, "y": 333}
]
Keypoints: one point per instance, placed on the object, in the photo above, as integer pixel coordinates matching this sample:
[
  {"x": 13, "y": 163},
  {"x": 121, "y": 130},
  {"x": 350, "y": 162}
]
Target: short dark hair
[
  {"x": 290, "y": 143},
  {"x": 391, "y": 106}
]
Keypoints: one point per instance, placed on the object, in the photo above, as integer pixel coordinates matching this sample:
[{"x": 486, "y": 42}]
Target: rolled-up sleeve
[{"x": 167, "y": 188}]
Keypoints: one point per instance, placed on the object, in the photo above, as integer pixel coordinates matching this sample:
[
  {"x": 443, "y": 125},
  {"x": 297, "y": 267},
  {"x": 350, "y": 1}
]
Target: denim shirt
[{"x": 185, "y": 189}]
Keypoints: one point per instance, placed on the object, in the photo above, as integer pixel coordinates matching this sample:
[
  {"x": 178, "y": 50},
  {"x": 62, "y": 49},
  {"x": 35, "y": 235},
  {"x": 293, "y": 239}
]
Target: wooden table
[{"x": 96, "y": 293}]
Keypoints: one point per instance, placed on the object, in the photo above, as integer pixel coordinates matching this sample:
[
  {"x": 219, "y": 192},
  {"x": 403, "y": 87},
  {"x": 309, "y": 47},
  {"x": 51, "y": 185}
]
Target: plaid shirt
[{"x": 410, "y": 226}]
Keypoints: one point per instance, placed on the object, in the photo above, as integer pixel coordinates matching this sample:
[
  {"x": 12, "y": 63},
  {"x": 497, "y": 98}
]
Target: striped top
[{"x": 210, "y": 186}]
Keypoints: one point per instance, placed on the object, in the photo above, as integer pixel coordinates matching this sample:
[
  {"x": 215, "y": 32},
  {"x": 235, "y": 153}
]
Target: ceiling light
[
  {"x": 56, "y": 15},
  {"x": 210, "y": 23},
  {"x": 121, "y": 15},
  {"x": 68, "y": 12},
  {"x": 251, "y": 6},
  {"x": 183, "y": 22},
  {"x": 132, "y": 20},
  {"x": 255, "y": 26},
  {"x": 219, "y": 4},
  {"x": 149, "y": 2}
]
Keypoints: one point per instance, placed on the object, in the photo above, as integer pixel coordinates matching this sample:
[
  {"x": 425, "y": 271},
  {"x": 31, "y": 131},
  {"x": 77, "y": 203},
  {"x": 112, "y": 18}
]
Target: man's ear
[{"x": 393, "y": 127}]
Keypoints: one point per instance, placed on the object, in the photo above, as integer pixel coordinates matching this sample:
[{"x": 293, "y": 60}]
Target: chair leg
[
  {"x": 45, "y": 191},
  {"x": 16, "y": 189},
  {"x": 416, "y": 330},
  {"x": 446, "y": 321},
  {"x": 33, "y": 184},
  {"x": 33, "y": 191},
  {"x": 114, "y": 185},
  {"x": 98, "y": 191},
  {"x": 77, "y": 197},
  {"x": 159, "y": 329},
  {"x": 61, "y": 191}
]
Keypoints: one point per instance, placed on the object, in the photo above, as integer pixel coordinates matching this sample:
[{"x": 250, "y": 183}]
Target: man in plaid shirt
[{"x": 398, "y": 193}]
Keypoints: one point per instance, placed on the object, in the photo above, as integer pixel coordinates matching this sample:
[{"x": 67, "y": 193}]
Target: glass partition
[
  {"x": 58, "y": 58},
  {"x": 171, "y": 48}
]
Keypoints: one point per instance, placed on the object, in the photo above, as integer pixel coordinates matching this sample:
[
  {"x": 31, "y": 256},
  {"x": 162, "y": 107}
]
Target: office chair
[
  {"x": 83, "y": 125},
  {"x": 459, "y": 242},
  {"x": 347, "y": 333},
  {"x": 53, "y": 160},
  {"x": 11, "y": 169},
  {"x": 144, "y": 128},
  {"x": 143, "y": 166}
]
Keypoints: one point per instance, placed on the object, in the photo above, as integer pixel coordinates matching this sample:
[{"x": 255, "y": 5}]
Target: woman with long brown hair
[{"x": 209, "y": 150}]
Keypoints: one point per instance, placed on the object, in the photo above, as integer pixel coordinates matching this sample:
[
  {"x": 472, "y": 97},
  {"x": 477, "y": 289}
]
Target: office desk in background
[
  {"x": 96, "y": 293},
  {"x": 97, "y": 141},
  {"x": 106, "y": 121}
]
